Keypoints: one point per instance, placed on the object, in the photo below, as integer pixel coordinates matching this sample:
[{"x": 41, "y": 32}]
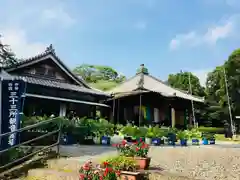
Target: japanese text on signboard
[{"x": 13, "y": 88}]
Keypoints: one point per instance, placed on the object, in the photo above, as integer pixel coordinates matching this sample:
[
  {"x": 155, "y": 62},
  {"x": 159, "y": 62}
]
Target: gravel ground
[
  {"x": 179, "y": 163},
  {"x": 199, "y": 162}
]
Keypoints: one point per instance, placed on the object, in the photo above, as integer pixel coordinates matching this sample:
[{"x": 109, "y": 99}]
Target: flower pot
[
  {"x": 205, "y": 141},
  {"x": 195, "y": 141},
  {"x": 212, "y": 141},
  {"x": 67, "y": 140},
  {"x": 156, "y": 141},
  {"x": 105, "y": 140},
  {"x": 127, "y": 175},
  {"x": 183, "y": 142},
  {"x": 148, "y": 141},
  {"x": 143, "y": 163}
]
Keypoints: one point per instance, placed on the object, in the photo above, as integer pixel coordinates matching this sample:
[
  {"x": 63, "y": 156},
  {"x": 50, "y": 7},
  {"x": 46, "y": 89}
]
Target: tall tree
[
  {"x": 7, "y": 57},
  {"x": 101, "y": 77},
  {"x": 93, "y": 73},
  {"x": 181, "y": 81}
]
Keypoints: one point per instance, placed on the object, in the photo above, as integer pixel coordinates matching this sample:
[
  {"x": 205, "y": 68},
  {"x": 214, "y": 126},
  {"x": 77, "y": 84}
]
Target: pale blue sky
[{"x": 166, "y": 35}]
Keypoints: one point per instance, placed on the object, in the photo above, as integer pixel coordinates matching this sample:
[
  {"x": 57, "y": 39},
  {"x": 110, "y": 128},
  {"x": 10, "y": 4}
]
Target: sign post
[{"x": 11, "y": 110}]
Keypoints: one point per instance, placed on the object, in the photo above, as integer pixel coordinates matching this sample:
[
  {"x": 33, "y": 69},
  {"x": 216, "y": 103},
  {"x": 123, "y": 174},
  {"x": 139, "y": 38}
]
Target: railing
[{"x": 37, "y": 125}]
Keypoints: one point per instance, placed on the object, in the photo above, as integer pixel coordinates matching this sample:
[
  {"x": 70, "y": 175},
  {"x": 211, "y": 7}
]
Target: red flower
[
  {"x": 105, "y": 164},
  {"x": 124, "y": 142},
  {"x": 100, "y": 178},
  {"x": 86, "y": 167},
  {"x": 137, "y": 148},
  {"x": 118, "y": 173},
  {"x": 81, "y": 176},
  {"x": 140, "y": 140}
]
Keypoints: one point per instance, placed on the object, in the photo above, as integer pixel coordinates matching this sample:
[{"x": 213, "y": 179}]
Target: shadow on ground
[{"x": 85, "y": 150}]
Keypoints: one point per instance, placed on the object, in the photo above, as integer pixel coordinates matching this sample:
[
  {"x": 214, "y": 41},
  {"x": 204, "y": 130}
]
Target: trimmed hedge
[{"x": 217, "y": 130}]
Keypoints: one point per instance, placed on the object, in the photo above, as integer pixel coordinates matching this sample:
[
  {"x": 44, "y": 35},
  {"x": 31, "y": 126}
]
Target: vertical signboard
[{"x": 12, "y": 102}]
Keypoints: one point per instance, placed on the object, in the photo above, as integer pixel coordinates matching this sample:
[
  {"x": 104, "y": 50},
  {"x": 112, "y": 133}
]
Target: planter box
[
  {"x": 142, "y": 163},
  {"x": 127, "y": 175},
  {"x": 195, "y": 141},
  {"x": 105, "y": 140}
]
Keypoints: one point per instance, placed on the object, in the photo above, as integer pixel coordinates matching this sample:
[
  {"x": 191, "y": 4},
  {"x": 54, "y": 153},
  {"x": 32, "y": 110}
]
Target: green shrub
[
  {"x": 217, "y": 130},
  {"x": 195, "y": 133},
  {"x": 122, "y": 163},
  {"x": 183, "y": 134}
]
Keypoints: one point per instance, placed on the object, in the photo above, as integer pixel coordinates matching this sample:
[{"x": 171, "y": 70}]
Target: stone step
[{"x": 50, "y": 174}]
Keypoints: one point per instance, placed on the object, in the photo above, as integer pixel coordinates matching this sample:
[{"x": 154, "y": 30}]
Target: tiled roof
[
  {"x": 60, "y": 85},
  {"x": 155, "y": 85},
  {"x": 49, "y": 51},
  {"x": 83, "y": 86}
]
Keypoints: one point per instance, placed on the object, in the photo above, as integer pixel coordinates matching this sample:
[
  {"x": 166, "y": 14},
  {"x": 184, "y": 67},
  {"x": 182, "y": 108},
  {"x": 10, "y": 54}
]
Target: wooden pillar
[
  {"x": 63, "y": 110},
  {"x": 140, "y": 110},
  {"x": 113, "y": 111},
  {"x": 173, "y": 116},
  {"x": 118, "y": 109}
]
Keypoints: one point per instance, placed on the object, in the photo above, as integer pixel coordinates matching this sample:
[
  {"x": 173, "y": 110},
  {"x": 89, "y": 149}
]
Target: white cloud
[
  {"x": 222, "y": 30},
  {"x": 141, "y": 25},
  {"x": 202, "y": 75},
  {"x": 59, "y": 15},
  {"x": 20, "y": 44}
]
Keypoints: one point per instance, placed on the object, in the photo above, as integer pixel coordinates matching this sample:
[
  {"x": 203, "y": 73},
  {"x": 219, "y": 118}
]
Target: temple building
[
  {"x": 52, "y": 89},
  {"x": 144, "y": 99}
]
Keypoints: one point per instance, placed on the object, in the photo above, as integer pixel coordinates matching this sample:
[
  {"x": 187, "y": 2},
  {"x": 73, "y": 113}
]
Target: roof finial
[
  {"x": 142, "y": 69},
  {"x": 50, "y": 49}
]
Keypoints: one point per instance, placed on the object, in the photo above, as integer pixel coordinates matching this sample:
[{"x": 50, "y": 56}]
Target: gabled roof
[
  {"x": 48, "y": 54},
  {"x": 152, "y": 84}
]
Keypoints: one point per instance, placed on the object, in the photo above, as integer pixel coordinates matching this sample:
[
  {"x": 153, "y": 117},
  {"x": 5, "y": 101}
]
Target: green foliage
[
  {"x": 122, "y": 163},
  {"x": 195, "y": 134},
  {"x": 181, "y": 81},
  {"x": 7, "y": 57},
  {"x": 100, "y": 77},
  {"x": 134, "y": 131},
  {"x": 211, "y": 130},
  {"x": 183, "y": 134}
]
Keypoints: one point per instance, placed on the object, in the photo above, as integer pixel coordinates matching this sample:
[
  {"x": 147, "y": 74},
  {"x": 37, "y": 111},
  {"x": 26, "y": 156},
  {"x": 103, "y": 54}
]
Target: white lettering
[
  {"x": 12, "y": 113},
  {"x": 16, "y": 86},
  {"x": 13, "y": 121},
  {"x": 11, "y": 139}
]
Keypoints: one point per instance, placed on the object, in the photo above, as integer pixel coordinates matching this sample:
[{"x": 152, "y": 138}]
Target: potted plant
[
  {"x": 108, "y": 131},
  {"x": 195, "y": 136},
  {"x": 127, "y": 132},
  {"x": 205, "y": 139},
  {"x": 89, "y": 172},
  {"x": 172, "y": 136},
  {"x": 156, "y": 140},
  {"x": 140, "y": 133},
  {"x": 183, "y": 136},
  {"x": 212, "y": 138},
  {"x": 138, "y": 151},
  {"x": 126, "y": 166},
  {"x": 149, "y": 136}
]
